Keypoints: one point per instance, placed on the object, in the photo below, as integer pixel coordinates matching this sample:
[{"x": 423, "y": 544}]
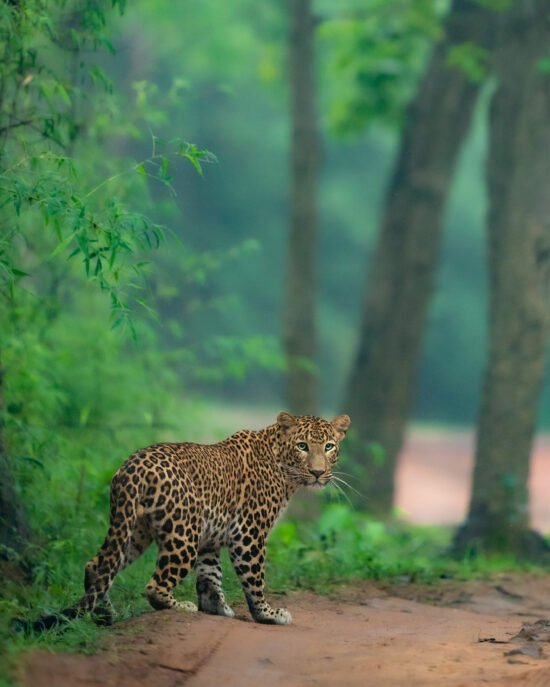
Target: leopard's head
[{"x": 309, "y": 447}]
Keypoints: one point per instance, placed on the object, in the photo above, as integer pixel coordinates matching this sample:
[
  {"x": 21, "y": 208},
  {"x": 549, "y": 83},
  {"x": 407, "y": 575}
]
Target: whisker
[
  {"x": 341, "y": 491},
  {"x": 341, "y": 472},
  {"x": 343, "y": 481},
  {"x": 338, "y": 492},
  {"x": 334, "y": 494}
]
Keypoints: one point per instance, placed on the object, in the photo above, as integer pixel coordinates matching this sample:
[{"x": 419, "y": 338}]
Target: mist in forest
[{"x": 224, "y": 75}]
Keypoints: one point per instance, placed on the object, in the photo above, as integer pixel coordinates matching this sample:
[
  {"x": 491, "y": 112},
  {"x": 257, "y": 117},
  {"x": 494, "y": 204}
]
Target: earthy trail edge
[{"x": 363, "y": 636}]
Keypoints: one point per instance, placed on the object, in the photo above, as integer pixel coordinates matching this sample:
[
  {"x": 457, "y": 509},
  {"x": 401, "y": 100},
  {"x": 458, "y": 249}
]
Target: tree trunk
[
  {"x": 13, "y": 525},
  {"x": 402, "y": 273},
  {"x": 518, "y": 172},
  {"x": 299, "y": 308}
]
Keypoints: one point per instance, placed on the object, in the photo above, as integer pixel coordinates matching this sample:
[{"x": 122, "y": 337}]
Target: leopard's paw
[
  {"x": 215, "y": 604},
  {"x": 282, "y": 616},
  {"x": 273, "y": 616},
  {"x": 225, "y": 610},
  {"x": 187, "y": 606}
]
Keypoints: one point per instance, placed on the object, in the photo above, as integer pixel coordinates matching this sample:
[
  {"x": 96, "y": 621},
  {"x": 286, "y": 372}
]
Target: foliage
[
  {"x": 377, "y": 55},
  {"x": 471, "y": 58},
  {"x": 345, "y": 545},
  {"x": 49, "y": 91}
]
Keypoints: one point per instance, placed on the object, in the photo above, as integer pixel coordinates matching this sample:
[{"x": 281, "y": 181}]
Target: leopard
[{"x": 192, "y": 500}]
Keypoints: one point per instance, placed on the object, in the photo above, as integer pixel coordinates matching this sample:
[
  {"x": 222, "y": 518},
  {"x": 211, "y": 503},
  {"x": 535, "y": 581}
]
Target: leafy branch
[
  {"x": 160, "y": 162},
  {"x": 109, "y": 238}
]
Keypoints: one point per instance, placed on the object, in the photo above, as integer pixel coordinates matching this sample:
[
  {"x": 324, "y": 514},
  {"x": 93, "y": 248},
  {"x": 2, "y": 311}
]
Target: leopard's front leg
[{"x": 248, "y": 558}]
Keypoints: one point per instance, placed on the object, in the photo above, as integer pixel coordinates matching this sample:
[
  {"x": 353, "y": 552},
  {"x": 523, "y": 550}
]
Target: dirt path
[{"x": 363, "y": 636}]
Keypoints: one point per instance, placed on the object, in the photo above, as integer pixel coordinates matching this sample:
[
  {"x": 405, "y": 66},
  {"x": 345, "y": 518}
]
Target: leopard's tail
[
  {"x": 46, "y": 622},
  {"x": 93, "y": 602},
  {"x": 99, "y": 572}
]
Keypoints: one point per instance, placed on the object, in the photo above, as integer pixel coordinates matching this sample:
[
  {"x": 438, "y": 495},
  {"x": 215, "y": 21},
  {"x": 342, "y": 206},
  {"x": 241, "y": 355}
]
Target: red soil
[{"x": 361, "y": 638}]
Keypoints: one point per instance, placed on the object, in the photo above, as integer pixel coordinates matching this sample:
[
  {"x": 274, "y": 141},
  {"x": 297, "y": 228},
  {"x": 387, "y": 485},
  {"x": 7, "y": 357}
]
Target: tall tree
[
  {"x": 405, "y": 259},
  {"x": 299, "y": 307},
  {"x": 518, "y": 171}
]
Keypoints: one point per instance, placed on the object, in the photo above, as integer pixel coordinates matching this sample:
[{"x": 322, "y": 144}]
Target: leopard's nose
[{"x": 316, "y": 473}]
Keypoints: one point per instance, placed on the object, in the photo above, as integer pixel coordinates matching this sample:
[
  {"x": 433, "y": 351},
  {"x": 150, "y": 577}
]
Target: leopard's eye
[
  {"x": 302, "y": 446},
  {"x": 329, "y": 447}
]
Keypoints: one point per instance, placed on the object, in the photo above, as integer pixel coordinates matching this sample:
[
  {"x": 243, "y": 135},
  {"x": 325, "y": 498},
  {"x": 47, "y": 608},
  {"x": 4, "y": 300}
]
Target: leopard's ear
[
  {"x": 286, "y": 421},
  {"x": 341, "y": 424}
]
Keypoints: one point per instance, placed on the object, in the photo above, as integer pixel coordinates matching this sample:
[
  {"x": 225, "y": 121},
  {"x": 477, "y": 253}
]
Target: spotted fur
[{"x": 194, "y": 499}]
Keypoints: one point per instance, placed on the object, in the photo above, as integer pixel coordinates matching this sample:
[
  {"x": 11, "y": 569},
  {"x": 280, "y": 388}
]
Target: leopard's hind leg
[
  {"x": 176, "y": 530},
  {"x": 140, "y": 541},
  {"x": 127, "y": 538},
  {"x": 99, "y": 577}
]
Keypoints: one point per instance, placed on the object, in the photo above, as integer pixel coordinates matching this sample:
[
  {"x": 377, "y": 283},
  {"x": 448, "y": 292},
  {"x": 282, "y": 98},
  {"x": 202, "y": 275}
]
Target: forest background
[{"x": 146, "y": 215}]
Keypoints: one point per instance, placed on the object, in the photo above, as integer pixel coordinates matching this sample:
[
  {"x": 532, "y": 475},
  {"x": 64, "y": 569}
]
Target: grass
[{"x": 343, "y": 546}]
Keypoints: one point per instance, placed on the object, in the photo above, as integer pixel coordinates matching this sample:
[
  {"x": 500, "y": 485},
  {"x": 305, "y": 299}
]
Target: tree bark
[
  {"x": 518, "y": 171},
  {"x": 401, "y": 277},
  {"x": 14, "y": 531},
  {"x": 301, "y": 287}
]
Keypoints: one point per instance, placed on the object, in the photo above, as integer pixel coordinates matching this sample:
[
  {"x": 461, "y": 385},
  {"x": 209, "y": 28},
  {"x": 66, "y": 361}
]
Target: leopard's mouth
[{"x": 319, "y": 483}]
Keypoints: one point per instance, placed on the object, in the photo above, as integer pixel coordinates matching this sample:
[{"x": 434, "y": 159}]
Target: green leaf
[
  {"x": 61, "y": 246},
  {"x": 84, "y": 415},
  {"x": 33, "y": 461},
  {"x": 471, "y": 59}
]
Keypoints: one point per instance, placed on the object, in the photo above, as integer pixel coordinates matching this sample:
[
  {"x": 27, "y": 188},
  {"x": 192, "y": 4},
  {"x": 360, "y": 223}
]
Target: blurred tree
[
  {"x": 301, "y": 288},
  {"x": 401, "y": 279},
  {"x": 518, "y": 171}
]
